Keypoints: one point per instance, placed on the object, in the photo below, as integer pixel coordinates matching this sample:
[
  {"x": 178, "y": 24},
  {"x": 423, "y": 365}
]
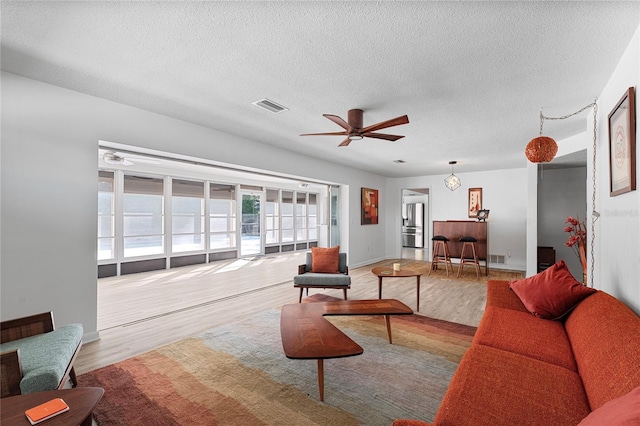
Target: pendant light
[
  {"x": 452, "y": 181},
  {"x": 541, "y": 149}
]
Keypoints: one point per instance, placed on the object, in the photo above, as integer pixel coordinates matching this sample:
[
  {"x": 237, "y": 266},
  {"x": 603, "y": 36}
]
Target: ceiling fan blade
[
  {"x": 382, "y": 136},
  {"x": 345, "y": 142},
  {"x": 389, "y": 123},
  {"x": 339, "y": 121},
  {"x": 325, "y": 134}
]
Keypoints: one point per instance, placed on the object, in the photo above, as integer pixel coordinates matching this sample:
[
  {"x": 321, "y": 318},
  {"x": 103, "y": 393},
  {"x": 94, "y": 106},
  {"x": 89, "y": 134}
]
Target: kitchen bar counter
[{"x": 456, "y": 229}]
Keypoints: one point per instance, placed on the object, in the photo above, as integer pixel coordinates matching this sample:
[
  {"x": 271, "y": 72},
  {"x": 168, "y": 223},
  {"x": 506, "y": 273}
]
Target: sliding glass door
[{"x": 251, "y": 223}]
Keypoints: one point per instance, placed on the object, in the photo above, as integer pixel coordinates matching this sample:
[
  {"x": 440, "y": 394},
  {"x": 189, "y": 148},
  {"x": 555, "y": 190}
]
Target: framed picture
[
  {"x": 622, "y": 145},
  {"x": 475, "y": 201},
  {"x": 369, "y": 206}
]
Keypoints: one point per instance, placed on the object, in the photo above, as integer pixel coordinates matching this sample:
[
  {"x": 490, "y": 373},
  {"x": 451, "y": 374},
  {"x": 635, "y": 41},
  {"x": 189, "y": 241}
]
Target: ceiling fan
[
  {"x": 113, "y": 157},
  {"x": 354, "y": 130}
]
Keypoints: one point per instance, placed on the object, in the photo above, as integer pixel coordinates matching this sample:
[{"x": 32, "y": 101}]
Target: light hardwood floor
[{"x": 140, "y": 312}]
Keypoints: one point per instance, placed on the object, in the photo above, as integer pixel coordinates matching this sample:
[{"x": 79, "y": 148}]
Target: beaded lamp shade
[{"x": 541, "y": 149}]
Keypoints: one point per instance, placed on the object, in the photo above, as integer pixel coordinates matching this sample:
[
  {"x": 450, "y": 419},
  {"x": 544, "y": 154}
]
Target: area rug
[{"x": 237, "y": 374}]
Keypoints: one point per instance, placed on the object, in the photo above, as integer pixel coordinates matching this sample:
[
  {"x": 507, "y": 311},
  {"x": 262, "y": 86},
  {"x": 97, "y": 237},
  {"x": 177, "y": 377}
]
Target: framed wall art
[
  {"x": 475, "y": 201},
  {"x": 622, "y": 145},
  {"x": 369, "y": 214}
]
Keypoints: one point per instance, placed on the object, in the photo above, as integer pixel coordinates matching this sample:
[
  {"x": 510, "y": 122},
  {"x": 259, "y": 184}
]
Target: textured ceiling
[{"x": 471, "y": 76}]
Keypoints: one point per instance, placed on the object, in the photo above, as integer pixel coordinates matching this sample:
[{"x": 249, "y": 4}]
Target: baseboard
[
  {"x": 366, "y": 262},
  {"x": 90, "y": 337}
]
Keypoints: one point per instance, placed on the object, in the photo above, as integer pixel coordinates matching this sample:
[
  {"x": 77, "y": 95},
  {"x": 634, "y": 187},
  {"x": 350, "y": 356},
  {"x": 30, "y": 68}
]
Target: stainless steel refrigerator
[{"x": 412, "y": 225}]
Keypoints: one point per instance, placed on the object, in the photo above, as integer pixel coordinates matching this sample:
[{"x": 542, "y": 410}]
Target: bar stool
[
  {"x": 440, "y": 253},
  {"x": 469, "y": 244}
]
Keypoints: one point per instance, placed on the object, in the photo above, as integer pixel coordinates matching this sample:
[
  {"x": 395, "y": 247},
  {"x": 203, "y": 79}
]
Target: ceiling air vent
[{"x": 270, "y": 106}]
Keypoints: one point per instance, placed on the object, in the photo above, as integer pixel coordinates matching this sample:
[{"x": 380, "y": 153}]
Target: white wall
[
  {"x": 502, "y": 192},
  {"x": 617, "y": 251},
  {"x": 49, "y": 169}
]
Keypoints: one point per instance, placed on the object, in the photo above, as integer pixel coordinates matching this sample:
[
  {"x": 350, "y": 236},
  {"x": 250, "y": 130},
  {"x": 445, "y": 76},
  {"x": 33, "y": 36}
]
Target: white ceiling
[{"x": 471, "y": 76}]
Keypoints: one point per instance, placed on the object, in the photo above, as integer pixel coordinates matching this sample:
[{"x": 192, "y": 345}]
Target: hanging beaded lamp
[{"x": 541, "y": 149}]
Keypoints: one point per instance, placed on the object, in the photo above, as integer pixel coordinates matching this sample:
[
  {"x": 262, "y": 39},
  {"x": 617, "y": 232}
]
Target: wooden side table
[
  {"x": 388, "y": 272},
  {"x": 81, "y": 402}
]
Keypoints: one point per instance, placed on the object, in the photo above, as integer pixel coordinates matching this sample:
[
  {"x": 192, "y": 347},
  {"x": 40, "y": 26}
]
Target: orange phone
[{"x": 47, "y": 410}]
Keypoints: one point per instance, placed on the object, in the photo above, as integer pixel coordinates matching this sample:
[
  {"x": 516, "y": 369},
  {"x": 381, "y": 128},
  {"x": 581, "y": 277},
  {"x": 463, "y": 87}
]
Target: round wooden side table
[
  {"x": 81, "y": 402},
  {"x": 388, "y": 272}
]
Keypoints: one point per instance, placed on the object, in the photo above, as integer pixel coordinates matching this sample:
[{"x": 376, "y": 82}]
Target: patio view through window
[{"x": 151, "y": 217}]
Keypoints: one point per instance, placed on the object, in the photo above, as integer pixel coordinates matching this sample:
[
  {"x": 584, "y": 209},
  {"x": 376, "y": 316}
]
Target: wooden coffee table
[
  {"x": 388, "y": 272},
  {"x": 306, "y": 334},
  {"x": 81, "y": 402}
]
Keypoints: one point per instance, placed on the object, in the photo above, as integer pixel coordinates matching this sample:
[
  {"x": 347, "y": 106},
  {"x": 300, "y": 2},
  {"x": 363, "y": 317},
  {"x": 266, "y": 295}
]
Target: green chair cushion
[{"x": 45, "y": 357}]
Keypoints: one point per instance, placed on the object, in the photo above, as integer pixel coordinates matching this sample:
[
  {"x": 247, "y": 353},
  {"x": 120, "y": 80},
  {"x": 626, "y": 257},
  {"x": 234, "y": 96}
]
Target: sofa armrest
[
  {"x": 302, "y": 269},
  {"x": 32, "y": 325},
  {"x": 11, "y": 372}
]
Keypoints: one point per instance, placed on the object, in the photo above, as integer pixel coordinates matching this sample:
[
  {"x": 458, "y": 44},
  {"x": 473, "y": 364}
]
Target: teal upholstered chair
[
  {"x": 307, "y": 279},
  {"x": 36, "y": 356}
]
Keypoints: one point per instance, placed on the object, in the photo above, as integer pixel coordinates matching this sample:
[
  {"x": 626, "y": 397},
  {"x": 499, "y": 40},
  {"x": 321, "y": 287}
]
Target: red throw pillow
[
  {"x": 623, "y": 411},
  {"x": 552, "y": 293},
  {"x": 325, "y": 260}
]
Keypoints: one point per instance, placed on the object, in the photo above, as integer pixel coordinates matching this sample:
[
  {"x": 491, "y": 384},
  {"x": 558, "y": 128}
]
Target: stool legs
[
  {"x": 441, "y": 258},
  {"x": 469, "y": 260}
]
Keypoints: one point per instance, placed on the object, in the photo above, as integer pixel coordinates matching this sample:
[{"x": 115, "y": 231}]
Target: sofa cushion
[
  {"x": 551, "y": 293},
  {"x": 605, "y": 337},
  {"x": 500, "y": 388},
  {"x": 520, "y": 332},
  {"x": 501, "y": 296},
  {"x": 325, "y": 260},
  {"x": 623, "y": 411},
  {"x": 45, "y": 357}
]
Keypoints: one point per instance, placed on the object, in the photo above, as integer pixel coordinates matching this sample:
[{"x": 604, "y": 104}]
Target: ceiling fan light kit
[
  {"x": 354, "y": 130},
  {"x": 452, "y": 181},
  {"x": 113, "y": 158}
]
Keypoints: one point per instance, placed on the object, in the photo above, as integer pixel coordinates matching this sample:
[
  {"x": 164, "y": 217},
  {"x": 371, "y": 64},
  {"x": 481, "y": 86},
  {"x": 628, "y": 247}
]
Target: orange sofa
[{"x": 523, "y": 370}]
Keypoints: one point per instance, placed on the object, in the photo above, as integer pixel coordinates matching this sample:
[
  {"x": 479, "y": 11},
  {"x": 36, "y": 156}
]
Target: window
[
  {"x": 287, "y": 216},
  {"x": 187, "y": 216},
  {"x": 301, "y": 216},
  {"x": 272, "y": 217},
  {"x": 106, "y": 216},
  {"x": 222, "y": 216},
  {"x": 312, "y": 215},
  {"x": 145, "y": 219},
  {"x": 143, "y": 216}
]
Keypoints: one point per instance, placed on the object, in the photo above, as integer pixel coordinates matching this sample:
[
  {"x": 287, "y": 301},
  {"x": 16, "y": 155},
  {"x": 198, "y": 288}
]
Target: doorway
[
  {"x": 251, "y": 223},
  {"x": 414, "y": 232}
]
